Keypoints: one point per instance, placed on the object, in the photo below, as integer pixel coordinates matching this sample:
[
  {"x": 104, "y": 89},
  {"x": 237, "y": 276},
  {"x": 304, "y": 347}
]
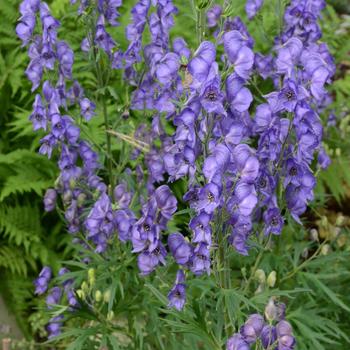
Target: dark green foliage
[{"x": 28, "y": 238}]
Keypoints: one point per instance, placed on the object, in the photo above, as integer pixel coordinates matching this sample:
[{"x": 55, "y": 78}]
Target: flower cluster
[
  {"x": 247, "y": 160},
  {"x": 257, "y": 330}
]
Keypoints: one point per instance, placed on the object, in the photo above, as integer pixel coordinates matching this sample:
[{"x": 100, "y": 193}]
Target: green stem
[
  {"x": 256, "y": 265},
  {"x": 298, "y": 268},
  {"x": 101, "y": 86}
]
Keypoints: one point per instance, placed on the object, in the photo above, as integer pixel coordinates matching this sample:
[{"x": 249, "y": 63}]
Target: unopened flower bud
[
  {"x": 80, "y": 294},
  {"x": 126, "y": 114},
  {"x": 91, "y": 276},
  {"x": 98, "y": 296},
  {"x": 314, "y": 235},
  {"x": 81, "y": 199},
  {"x": 110, "y": 315},
  {"x": 67, "y": 197},
  {"x": 271, "y": 310},
  {"x": 338, "y": 152},
  {"x": 85, "y": 287},
  {"x": 107, "y": 296},
  {"x": 340, "y": 220},
  {"x": 260, "y": 276},
  {"x": 324, "y": 221},
  {"x": 341, "y": 241},
  {"x": 72, "y": 183},
  {"x": 271, "y": 279},
  {"x": 305, "y": 253},
  {"x": 326, "y": 249}
]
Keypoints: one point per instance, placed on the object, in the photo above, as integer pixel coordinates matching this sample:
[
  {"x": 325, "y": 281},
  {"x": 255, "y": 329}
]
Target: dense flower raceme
[
  {"x": 245, "y": 162},
  {"x": 256, "y": 329}
]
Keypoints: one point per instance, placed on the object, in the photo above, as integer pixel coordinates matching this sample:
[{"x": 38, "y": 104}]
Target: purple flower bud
[
  {"x": 252, "y": 328},
  {"x": 252, "y": 7},
  {"x": 213, "y": 16},
  {"x": 54, "y": 297},
  {"x": 236, "y": 342},
  {"x": 102, "y": 38},
  {"x": 50, "y": 199},
  {"x": 66, "y": 58},
  {"x": 268, "y": 336},
  {"x": 54, "y": 326},
  {"x": 179, "y": 248},
  {"x": 41, "y": 283},
  {"x": 25, "y": 27}
]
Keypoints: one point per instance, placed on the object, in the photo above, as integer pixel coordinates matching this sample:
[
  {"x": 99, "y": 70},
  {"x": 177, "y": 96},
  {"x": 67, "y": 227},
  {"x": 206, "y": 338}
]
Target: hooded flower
[
  {"x": 237, "y": 342},
  {"x": 179, "y": 248},
  {"x": 177, "y": 295},
  {"x": 252, "y": 7}
]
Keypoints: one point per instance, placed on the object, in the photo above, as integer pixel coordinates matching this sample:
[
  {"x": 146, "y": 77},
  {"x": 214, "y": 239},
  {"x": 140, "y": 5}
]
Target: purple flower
[
  {"x": 246, "y": 163},
  {"x": 54, "y": 296},
  {"x": 286, "y": 341},
  {"x": 323, "y": 159},
  {"x": 148, "y": 261},
  {"x": 179, "y": 248},
  {"x": 167, "y": 68},
  {"x": 25, "y": 27},
  {"x": 200, "y": 260},
  {"x": 237, "y": 342},
  {"x": 208, "y": 198},
  {"x": 244, "y": 199},
  {"x": 238, "y": 53},
  {"x": 252, "y": 7},
  {"x": 216, "y": 162},
  {"x": 50, "y": 199},
  {"x": 87, "y": 108},
  {"x": 237, "y": 94},
  {"x": 288, "y": 55},
  {"x": 213, "y": 16},
  {"x": 99, "y": 223},
  {"x": 109, "y": 9},
  {"x": 288, "y": 97},
  {"x": 47, "y": 144},
  {"x": 264, "y": 64},
  {"x": 268, "y": 336},
  {"x": 102, "y": 38},
  {"x": 177, "y": 295},
  {"x": 273, "y": 221},
  {"x": 200, "y": 64},
  {"x": 65, "y": 57},
  {"x": 38, "y": 117},
  {"x": 124, "y": 220},
  {"x": 49, "y": 23},
  {"x": 41, "y": 283},
  {"x": 200, "y": 225},
  {"x": 34, "y": 73},
  {"x": 54, "y": 326},
  {"x": 180, "y": 48},
  {"x": 166, "y": 201},
  {"x": 252, "y": 328}
]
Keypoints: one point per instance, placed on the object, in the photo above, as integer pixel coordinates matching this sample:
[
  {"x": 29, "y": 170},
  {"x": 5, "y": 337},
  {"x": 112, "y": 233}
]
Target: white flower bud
[
  {"x": 271, "y": 279},
  {"x": 271, "y": 310},
  {"x": 260, "y": 276}
]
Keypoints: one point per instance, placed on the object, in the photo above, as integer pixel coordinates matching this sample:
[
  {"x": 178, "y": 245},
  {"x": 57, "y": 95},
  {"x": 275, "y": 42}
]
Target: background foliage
[{"x": 312, "y": 275}]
